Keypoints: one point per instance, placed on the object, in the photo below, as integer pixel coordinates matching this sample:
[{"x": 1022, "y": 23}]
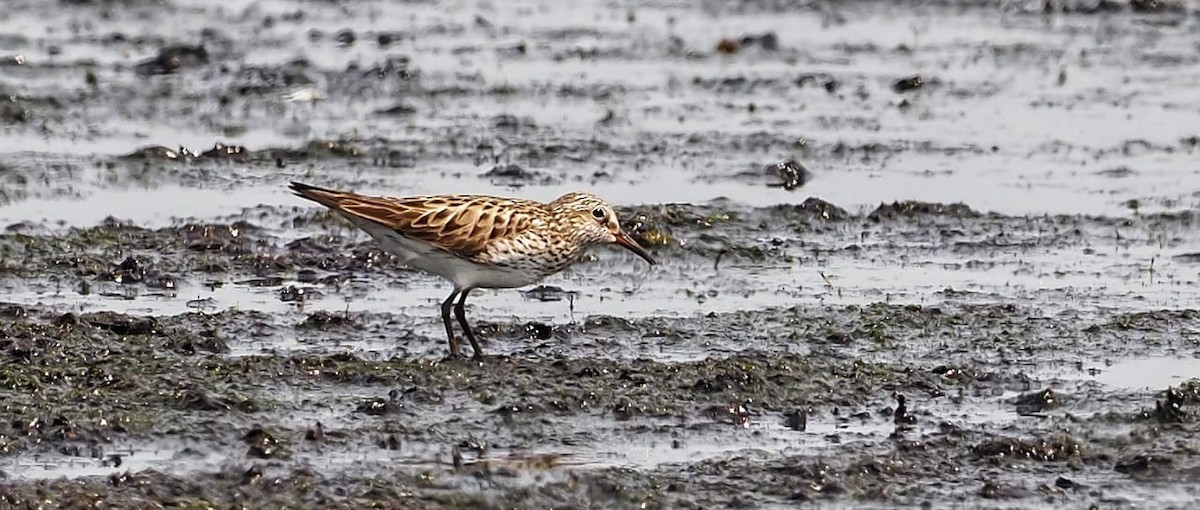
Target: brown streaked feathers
[{"x": 464, "y": 225}]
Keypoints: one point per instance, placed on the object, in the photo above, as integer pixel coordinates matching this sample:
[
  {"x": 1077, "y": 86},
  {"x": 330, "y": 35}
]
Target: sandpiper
[{"x": 480, "y": 241}]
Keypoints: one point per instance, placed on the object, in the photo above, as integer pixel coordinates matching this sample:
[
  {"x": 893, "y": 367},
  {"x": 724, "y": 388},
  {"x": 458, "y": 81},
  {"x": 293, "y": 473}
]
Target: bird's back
[{"x": 461, "y": 224}]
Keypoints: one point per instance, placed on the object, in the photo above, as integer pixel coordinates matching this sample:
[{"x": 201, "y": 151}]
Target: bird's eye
[{"x": 598, "y": 213}]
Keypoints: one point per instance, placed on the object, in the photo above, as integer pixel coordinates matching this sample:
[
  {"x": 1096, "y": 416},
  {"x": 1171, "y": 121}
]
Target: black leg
[
  {"x": 446, "y": 306},
  {"x": 462, "y": 321}
]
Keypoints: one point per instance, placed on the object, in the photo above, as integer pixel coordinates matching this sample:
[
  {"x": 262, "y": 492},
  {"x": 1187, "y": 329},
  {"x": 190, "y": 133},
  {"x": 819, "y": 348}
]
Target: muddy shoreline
[
  {"x": 975, "y": 287},
  {"x": 1006, "y": 398}
]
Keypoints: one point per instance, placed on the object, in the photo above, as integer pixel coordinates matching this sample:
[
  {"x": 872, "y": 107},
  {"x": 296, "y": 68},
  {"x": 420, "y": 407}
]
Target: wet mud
[{"x": 927, "y": 254}]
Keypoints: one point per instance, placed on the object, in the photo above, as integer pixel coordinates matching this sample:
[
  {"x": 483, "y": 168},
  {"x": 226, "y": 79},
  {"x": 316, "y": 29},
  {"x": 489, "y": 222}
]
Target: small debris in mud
[
  {"x": 520, "y": 408},
  {"x": 908, "y": 84},
  {"x": 162, "y": 282},
  {"x": 397, "y": 110},
  {"x": 1142, "y": 465},
  {"x": 741, "y": 415},
  {"x": 509, "y": 122},
  {"x": 791, "y": 174},
  {"x": 1059, "y": 448},
  {"x": 324, "y": 320},
  {"x": 379, "y": 406},
  {"x": 294, "y": 294},
  {"x": 647, "y": 232},
  {"x": 129, "y": 270},
  {"x": 473, "y": 444},
  {"x": 200, "y": 400},
  {"x": 121, "y": 324},
  {"x": 385, "y": 39},
  {"x": 173, "y": 58},
  {"x": 1033, "y": 404},
  {"x": 738, "y": 413},
  {"x": 391, "y": 442},
  {"x": 253, "y": 474},
  {"x": 220, "y": 151},
  {"x": 768, "y": 41},
  {"x": 154, "y": 153},
  {"x": 298, "y": 95},
  {"x": 67, "y": 319},
  {"x": 1067, "y": 484},
  {"x": 624, "y": 411},
  {"x": 994, "y": 490},
  {"x": 797, "y": 420},
  {"x": 821, "y": 209},
  {"x": 12, "y": 311},
  {"x": 515, "y": 464},
  {"x": 14, "y": 114},
  {"x": 515, "y": 175},
  {"x": 728, "y": 46},
  {"x": 1187, "y": 258},
  {"x": 539, "y": 330},
  {"x": 1117, "y": 172},
  {"x": 901, "y": 415},
  {"x": 824, "y": 80},
  {"x": 914, "y": 209},
  {"x": 1083, "y": 7},
  {"x": 263, "y": 444},
  {"x": 345, "y": 37},
  {"x": 315, "y": 434},
  {"x": 1156, "y": 6},
  {"x": 189, "y": 345},
  {"x": 315, "y": 149},
  {"x": 20, "y": 226},
  {"x": 456, "y": 458},
  {"x": 1170, "y": 410},
  {"x": 201, "y": 303},
  {"x": 266, "y": 281},
  {"x": 514, "y": 50},
  {"x": 216, "y": 238},
  {"x": 548, "y": 293}
]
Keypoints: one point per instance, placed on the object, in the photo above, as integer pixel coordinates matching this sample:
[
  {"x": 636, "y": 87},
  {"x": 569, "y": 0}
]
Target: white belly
[{"x": 430, "y": 259}]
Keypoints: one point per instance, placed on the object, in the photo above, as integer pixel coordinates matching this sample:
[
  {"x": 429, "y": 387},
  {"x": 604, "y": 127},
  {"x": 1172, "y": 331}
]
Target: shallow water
[{"x": 1150, "y": 373}]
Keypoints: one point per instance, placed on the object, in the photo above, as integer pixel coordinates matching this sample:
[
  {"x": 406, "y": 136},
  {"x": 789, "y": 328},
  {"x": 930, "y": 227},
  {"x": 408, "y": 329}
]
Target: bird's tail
[{"x": 324, "y": 196}]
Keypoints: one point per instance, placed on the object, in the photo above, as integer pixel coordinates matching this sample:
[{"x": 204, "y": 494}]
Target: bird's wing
[{"x": 461, "y": 224}]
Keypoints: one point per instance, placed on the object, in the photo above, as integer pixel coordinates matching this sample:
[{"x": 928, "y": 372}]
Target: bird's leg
[
  {"x": 446, "y": 306},
  {"x": 462, "y": 321}
]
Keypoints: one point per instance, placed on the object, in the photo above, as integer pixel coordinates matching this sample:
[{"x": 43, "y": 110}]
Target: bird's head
[{"x": 593, "y": 222}]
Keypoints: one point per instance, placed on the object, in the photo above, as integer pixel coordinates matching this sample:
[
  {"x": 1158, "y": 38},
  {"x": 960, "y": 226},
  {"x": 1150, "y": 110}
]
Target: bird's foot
[
  {"x": 459, "y": 357},
  {"x": 452, "y": 357}
]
